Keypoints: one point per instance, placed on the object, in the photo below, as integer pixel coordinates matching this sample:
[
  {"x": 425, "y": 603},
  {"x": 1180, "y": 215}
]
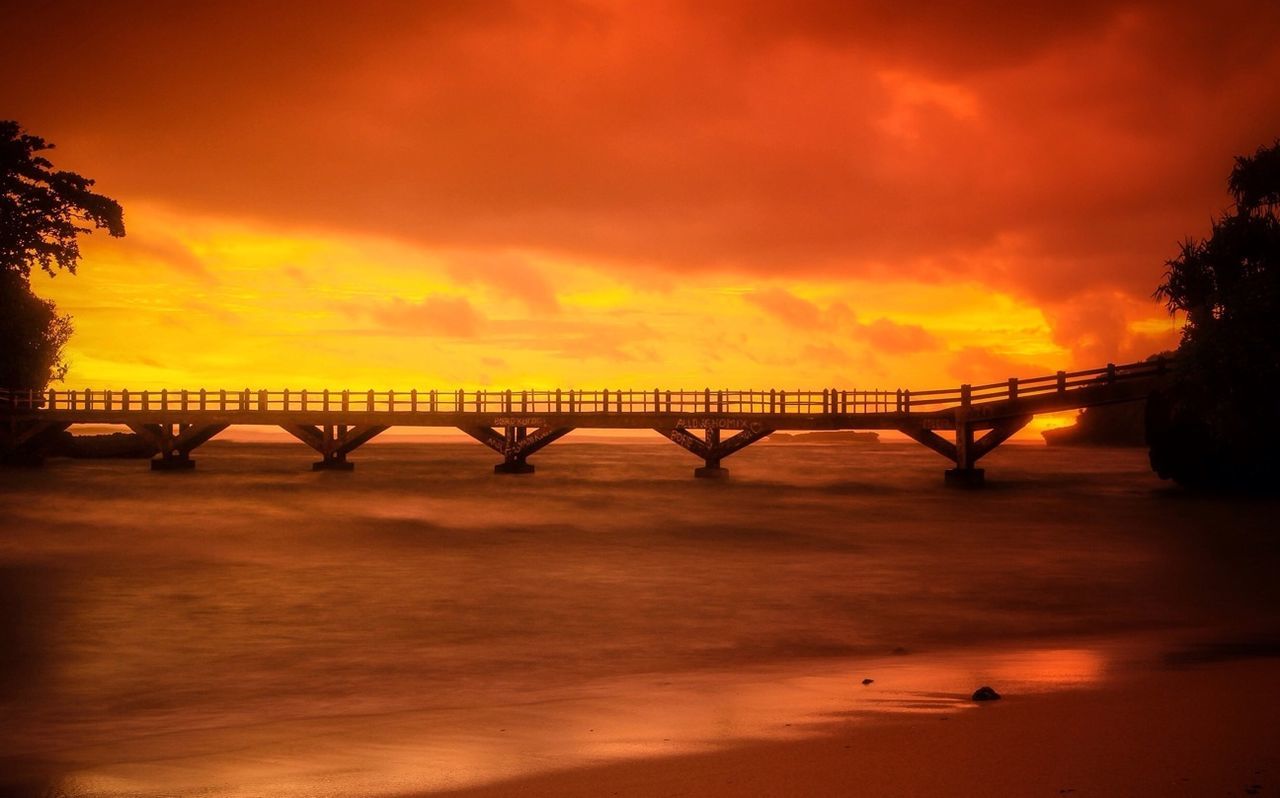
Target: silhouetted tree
[
  {"x": 42, "y": 214},
  {"x": 1216, "y": 425},
  {"x": 33, "y": 335}
]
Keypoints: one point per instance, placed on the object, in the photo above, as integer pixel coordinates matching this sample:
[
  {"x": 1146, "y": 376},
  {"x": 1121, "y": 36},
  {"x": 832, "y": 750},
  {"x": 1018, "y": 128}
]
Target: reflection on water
[{"x": 255, "y": 628}]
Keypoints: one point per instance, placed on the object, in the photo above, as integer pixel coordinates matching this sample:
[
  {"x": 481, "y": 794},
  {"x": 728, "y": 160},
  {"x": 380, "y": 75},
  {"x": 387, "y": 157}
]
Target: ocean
[{"x": 254, "y": 628}]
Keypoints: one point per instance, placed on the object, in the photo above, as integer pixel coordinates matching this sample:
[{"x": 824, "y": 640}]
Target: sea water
[{"x": 253, "y": 628}]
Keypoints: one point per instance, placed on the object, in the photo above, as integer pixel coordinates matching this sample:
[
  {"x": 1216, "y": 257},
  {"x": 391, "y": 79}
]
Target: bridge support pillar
[
  {"x": 964, "y": 477},
  {"x": 966, "y": 450},
  {"x": 333, "y": 442},
  {"x": 711, "y": 468},
  {"x": 514, "y": 466},
  {"x": 333, "y": 461},
  {"x": 174, "y": 443},
  {"x": 711, "y": 449},
  {"x": 516, "y": 444}
]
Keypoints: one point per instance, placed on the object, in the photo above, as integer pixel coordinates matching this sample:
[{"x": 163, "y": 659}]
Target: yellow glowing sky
[{"x": 215, "y": 303}]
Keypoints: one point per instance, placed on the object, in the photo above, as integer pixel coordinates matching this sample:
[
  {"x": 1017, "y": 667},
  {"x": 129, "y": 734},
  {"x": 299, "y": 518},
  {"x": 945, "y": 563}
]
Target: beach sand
[{"x": 1193, "y": 729}]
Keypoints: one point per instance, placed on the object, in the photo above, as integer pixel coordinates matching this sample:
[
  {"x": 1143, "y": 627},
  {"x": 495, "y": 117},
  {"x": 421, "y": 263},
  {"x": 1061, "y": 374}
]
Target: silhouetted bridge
[{"x": 710, "y": 424}]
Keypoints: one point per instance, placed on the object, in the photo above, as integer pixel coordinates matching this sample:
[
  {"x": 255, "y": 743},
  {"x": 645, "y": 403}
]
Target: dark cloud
[
  {"x": 1047, "y": 151},
  {"x": 975, "y": 35}
]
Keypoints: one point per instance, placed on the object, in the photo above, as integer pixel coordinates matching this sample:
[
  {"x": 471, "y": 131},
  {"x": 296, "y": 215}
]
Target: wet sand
[{"x": 1196, "y": 730}]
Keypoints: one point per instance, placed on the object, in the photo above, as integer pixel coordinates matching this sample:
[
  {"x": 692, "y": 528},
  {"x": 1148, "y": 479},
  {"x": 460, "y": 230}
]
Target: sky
[{"x": 634, "y": 195}]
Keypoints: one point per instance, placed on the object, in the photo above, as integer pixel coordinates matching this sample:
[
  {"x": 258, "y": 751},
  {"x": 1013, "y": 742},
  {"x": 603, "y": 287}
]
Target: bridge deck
[{"x": 336, "y": 422}]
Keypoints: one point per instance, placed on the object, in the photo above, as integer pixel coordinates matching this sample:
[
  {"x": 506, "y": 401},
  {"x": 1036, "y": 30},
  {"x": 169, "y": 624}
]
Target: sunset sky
[{"x": 863, "y": 195}]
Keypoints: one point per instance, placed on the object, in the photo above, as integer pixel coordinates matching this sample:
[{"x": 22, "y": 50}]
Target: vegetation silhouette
[
  {"x": 1121, "y": 424},
  {"x": 43, "y": 212},
  {"x": 1215, "y": 427}
]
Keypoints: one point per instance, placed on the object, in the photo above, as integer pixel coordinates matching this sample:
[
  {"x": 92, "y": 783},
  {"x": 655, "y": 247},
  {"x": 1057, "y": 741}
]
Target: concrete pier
[
  {"x": 333, "y": 465},
  {"x": 513, "y": 467},
  {"x": 964, "y": 477}
]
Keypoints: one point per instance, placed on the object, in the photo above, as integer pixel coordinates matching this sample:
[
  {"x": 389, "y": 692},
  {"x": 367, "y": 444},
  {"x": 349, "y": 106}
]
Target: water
[{"x": 255, "y": 628}]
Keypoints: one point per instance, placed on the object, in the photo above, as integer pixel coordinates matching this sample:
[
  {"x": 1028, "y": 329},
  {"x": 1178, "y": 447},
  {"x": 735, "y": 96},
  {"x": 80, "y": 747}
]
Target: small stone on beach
[
  {"x": 985, "y": 693},
  {"x": 868, "y": 681}
]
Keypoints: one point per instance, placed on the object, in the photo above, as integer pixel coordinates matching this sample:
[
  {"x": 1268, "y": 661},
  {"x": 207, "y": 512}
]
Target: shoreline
[
  {"x": 1114, "y": 715},
  {"x": 1206, "y": 728}
]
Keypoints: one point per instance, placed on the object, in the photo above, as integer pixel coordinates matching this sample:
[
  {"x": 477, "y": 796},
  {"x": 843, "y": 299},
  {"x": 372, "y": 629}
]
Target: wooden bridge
[{"x": 711, "y": 425}]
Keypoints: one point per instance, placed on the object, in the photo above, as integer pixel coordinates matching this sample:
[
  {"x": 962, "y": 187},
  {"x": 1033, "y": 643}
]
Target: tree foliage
[
  {"x": 1216, "y": 425},
  {"x": 43, "y": 212},
  {"x": 33, "y": 335}
]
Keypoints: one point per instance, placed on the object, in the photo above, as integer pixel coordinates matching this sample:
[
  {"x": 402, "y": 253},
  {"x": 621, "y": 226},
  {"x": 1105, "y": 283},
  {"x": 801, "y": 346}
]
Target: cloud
[
  {"x": 684, "y": 137},
  {"x": 977, "y": 366},
  {"x": 579, "y": 339},
  {"x": 1048, "y": 154},
  {"x": 434, "y": 315},
  {"x": 787, "y": 308},
  {"x": 882, "y": 334},
  {"x": 1096, "y": 328},
  {"x": 893, "y": 338},
  {"x": 167, "y": 252},
  {"x": 973, "y": 36},
  {"x": 507, "y": 275}
]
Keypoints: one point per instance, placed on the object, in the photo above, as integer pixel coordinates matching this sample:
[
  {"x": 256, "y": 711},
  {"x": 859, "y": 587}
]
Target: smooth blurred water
[{"x": 255, "y": 627}]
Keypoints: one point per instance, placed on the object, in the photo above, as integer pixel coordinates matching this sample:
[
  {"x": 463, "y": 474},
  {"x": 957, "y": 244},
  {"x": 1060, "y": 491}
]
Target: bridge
[{"x": 710, "y": 424}]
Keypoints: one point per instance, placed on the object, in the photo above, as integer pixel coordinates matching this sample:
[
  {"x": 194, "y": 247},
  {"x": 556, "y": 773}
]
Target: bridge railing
[
  {"x": 812, "y": 402},
  {"x": 478, "y": 401},
  {"x": 1014, "y": 388}
]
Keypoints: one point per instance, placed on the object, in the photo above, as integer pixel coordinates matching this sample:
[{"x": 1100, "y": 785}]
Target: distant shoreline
[{"x": 826, "y": 436}]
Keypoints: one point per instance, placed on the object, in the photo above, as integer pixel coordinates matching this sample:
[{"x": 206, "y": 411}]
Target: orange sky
[{"x": 634, "y": 195}]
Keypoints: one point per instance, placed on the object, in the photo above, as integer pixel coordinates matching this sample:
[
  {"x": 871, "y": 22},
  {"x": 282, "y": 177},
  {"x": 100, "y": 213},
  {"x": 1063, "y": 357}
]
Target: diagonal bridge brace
[
  {"x": 1001, "y": 432},
  {"x": 966, "y": 451},
  {"x": 516, "y": 445},
  {"x": 931, "y": 439},
  {"x": 334, "y": 442},
  {"x": 174, "y": 442},
  {"x": 711, "y": 449}
]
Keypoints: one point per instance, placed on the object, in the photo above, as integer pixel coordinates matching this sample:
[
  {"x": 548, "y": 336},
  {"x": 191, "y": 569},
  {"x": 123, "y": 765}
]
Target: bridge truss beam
[
  {"x": 175, "y": 442},
  {"x": 333, "y": 442},
  {"x": 516, "y": 444},
  {"x": 967, "y": 450},
  {"x": 711, "y": 449}
]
